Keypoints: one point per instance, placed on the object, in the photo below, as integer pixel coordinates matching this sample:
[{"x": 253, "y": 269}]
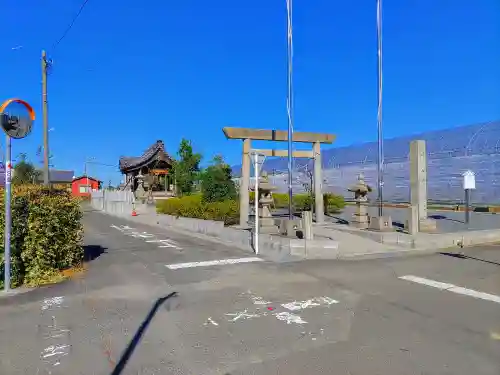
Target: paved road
[
  {"x": 447, "y": 221},
  {"x": 390, "y": 317}
]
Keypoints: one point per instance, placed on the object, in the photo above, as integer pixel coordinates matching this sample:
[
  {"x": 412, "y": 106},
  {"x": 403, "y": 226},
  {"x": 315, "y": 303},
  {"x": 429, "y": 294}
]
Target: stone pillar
[
  {"x": 318, "y": 184},
  {"x": 360, "y": 219},
  {"x": 244, "y": 183},
  {"x": 307, "y": 228},
  {"x": 413, "y": 222},
  {"x": 418, "y": 178},
  {"x": 418, "y": 187}
]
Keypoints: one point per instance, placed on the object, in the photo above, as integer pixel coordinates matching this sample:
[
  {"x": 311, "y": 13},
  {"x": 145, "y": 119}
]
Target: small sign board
[{"x": 469, "y": 180}]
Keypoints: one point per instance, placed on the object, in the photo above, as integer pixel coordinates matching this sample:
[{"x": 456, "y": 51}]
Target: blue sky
[{"x": 129, "y": 72}]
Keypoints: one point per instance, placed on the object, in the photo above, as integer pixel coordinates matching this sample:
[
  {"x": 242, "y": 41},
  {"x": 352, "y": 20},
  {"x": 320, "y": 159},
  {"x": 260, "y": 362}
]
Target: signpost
[
  {"x": 469, "y": 184},
  {"x": 16, "y": 120}
]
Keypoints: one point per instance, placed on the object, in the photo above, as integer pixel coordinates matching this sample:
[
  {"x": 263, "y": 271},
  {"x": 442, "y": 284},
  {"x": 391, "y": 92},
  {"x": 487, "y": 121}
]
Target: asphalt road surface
[{"x": 157, "y": 302}]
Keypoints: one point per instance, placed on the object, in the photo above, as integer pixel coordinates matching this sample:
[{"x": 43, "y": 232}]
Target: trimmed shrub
[
  {"x": 333, "y": 204},
  {"x": 193, "y": 206},
  {"x": 304, "y": 202},
  {"x": 46, "y": 234},
  {"x": 280, "y": 200}
]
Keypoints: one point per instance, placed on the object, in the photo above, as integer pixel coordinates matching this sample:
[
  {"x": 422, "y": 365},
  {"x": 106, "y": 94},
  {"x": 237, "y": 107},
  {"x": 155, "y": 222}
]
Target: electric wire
[{"x": 70, "y": 25}]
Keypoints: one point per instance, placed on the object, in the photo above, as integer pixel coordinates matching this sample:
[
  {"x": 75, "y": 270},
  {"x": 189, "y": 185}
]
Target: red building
[{"x": 83, "y": 185}]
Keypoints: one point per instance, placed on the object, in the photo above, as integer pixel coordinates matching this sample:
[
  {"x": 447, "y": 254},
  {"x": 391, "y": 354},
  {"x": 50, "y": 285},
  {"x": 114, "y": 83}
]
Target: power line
[{"x": 70, "y": 25}]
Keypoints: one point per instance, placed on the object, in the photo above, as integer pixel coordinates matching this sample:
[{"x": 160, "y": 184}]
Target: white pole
[{"x": 256, "y": 202}]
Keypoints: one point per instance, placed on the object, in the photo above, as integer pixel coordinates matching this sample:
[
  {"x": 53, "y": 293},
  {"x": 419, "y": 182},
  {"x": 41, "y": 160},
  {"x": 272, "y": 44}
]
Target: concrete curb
[
  {"x": 178, "y": 230},
  {"x": 283, "y": 250},
  {"x": 400, "y": 253}
]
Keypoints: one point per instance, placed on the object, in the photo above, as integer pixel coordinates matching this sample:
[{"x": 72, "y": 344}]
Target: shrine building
[{"x": 156, "y": 167}]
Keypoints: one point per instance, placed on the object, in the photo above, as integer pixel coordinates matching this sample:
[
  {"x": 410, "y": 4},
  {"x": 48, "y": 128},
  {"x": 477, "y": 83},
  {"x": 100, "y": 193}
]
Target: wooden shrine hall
[{"x": 156, "y": 167}]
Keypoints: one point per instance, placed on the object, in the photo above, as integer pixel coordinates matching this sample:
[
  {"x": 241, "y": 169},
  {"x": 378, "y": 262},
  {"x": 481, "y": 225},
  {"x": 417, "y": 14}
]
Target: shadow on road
[
  {"x": 463, "y": 256},
  {"x": 91, "y": 252},
  {"x": 339, "y": 219},
  {"x": 442, "y": 217},
  {"x": 120, "y": 366}
]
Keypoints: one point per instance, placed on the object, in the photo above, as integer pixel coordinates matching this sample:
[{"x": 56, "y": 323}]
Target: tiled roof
[
  {"x": 154, "y": 152},
  {"x": 89, "y": 177},
  {"x": 56, "y": 176}
]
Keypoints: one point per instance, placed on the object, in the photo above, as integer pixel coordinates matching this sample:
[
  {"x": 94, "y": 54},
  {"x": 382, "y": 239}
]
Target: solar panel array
[{"x": 450, "y": 153}]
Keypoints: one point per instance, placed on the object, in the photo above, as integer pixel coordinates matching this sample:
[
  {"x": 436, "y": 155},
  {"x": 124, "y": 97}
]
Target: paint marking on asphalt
[
  {"x": 149, "y": 238},
  {"x": 452, "y": 288},
  {"x": 316, "y": 301},
  {"x": 220, "y": 262},
  {"x": 169, "y": 243},
  {"x": 289, "y": 318}
]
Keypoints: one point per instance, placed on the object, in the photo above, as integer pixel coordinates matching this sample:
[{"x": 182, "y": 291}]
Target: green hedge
[
  {"x": 304, "y": 202},
  {"x": 46, "y": 234},
  {"x": 333, "y": 203},
  {"x": 194, "y": 207}
]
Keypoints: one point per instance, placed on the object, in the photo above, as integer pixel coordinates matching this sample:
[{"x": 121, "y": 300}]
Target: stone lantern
[
  {"x": 265, "y": 199},
  {"x": 360, "y": 190},
  {"x": 140, "y": 193}
]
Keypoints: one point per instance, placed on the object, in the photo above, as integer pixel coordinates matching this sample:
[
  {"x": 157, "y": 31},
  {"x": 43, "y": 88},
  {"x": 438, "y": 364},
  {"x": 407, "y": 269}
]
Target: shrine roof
[{"x": 155, "y": 152}]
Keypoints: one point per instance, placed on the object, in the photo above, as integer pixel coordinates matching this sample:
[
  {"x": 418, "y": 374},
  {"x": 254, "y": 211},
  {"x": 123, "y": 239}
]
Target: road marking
[
  {"x": 452, "y": 288},
  {"x": 149, "y": 238},
  {"x": 316, "y": 301},
  {"x": 169, "y": 243},
  {"x": 54, "y": 301},
  {"x": 285, "y": 316},
  {"x": 211, "y": 321},
  {"x": 242, "y": 315},
  {"x": 209, "y": 263},
  {"x": 289, "y": 318},
  {"x": 260, "y": 301},
  {"x": 58, "y": 336}
]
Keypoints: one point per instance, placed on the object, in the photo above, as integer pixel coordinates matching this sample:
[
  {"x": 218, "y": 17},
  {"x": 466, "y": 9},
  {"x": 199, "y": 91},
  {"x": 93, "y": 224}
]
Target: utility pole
[{"x": 45, "y": 65}]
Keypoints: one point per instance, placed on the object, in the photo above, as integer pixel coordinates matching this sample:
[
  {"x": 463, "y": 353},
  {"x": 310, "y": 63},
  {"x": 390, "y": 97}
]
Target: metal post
[
  {"x": 290, "y": 107},
  {"x": 467, "y": 206},
  {"x": 8, "y": 218},
  {"x": 256, "y": 202},
  {"x": 380, "y": 139},
  {"x": 46, "y": 178}
]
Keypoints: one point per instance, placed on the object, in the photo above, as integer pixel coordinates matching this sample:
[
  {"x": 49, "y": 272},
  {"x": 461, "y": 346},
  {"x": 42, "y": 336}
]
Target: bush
[
  {"x": 193, "y": 206},
  {"x": 332, "y": 203},
  {"x": 280, "y": 200},
  {"x": 217, "y": 184},
  {"x": 304, "y": 202},
  {"x": 46, "y": 234}
]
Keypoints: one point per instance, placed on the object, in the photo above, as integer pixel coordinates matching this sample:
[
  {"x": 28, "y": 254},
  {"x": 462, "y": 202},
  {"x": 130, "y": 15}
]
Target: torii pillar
[
  {"x": 245, "y": 182},
  {"x": 247, "y": 135}
]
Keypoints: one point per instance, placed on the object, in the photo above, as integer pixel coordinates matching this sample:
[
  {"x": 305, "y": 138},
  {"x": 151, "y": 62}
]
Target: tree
[
  {"x": 217, "y": 182},
  {"x": 24, "y": 171},
  {"x": 187, "y": 168}
]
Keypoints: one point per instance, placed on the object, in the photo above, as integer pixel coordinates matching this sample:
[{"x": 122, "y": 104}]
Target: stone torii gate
[{"x": 248, "y": 134}]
